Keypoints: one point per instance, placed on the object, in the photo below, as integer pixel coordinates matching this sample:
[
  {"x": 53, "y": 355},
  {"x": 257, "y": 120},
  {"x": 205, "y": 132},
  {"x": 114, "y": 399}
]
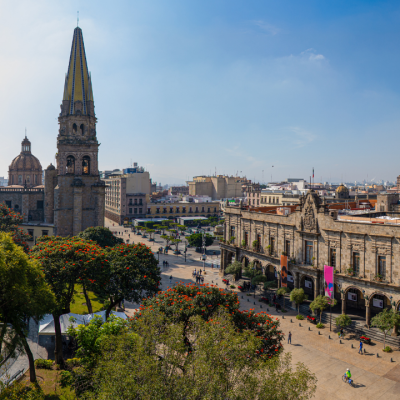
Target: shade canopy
[{"x": 46, "y": 325}]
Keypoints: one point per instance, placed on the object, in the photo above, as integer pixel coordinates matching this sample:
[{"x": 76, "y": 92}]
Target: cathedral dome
[
  {"x": 342, "y": 189},
  {"x": 25, "y": 169}
]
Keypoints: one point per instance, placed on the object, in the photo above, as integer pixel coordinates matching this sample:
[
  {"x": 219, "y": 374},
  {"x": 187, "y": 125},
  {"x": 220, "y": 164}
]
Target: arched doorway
[
  {"x": 355, "y": 302},
  {"x": 307, "y": 284},
  {"x": 270, "y": 273},
  {"x": 378, "y": 302}
]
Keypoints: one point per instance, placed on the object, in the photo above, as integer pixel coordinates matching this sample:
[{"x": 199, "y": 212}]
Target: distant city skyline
[{"x": 185, "y": 88}]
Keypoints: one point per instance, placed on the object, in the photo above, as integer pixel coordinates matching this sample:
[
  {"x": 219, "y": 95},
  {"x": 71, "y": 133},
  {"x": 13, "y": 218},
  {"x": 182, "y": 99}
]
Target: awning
[{"x": 46, "y": 325}]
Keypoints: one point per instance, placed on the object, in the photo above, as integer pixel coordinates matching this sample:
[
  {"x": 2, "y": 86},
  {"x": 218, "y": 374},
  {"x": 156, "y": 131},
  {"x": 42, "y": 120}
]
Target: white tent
[{"x": 46, "y": 325}]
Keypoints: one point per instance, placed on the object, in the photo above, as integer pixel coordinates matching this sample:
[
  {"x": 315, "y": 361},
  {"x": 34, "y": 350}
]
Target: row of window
[
  {"x": 171, "y": 210},
  {"x": 136, "y": 202},
  {"x": 309, "y": 250},
  {"x": 135, "y": 211},
  {"x": 39, "y": 205}
]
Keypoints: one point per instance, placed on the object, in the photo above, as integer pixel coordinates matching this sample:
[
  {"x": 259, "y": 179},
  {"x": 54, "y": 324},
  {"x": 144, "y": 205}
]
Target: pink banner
[{"x": 328, "y": 281}]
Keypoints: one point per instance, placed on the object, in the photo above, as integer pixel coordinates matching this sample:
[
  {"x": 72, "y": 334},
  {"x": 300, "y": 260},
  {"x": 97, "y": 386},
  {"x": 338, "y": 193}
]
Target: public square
[{"x": 374, "y": 377}]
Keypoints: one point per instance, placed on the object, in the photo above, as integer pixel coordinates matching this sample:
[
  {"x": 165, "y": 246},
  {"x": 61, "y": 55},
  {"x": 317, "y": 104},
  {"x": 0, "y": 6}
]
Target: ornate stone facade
[{"x": 363, "y": 249}]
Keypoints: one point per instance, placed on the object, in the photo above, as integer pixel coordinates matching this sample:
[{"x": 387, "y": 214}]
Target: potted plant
[
  {"x": 311, "y": 319},
  {"x": 255, "y": 244},
  {"x": 269, "y": 249},
  {"x": 350, "y": 271},
  {"x": 240, "y": 288},
  {"x": 336, "y": 271},
  {"x": 232, "y": 239},
  {"x": 378, "y": 278},
  {"x": 243, "y": 243},
  {"x": 312, "y": 261}
]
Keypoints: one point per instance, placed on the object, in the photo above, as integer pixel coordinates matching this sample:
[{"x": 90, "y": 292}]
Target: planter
[
  {"x": 240, "y": 288},
  {"x": 312, "y": 320},
  {"x": 365, "y": 339}
]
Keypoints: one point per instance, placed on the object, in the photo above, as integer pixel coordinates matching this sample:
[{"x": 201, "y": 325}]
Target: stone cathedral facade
[{"x": 74, "y": 193}]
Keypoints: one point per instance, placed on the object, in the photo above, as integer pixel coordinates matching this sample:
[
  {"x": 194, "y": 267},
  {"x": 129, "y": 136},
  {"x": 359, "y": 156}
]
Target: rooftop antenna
[
  {"x": 77, "y": 20},
  {"x": 25, "y": 133}
]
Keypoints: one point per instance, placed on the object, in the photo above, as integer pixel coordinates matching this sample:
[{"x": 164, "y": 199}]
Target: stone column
[
  {"x": 296, "y": 282},
  {"x": 368, "y": 314},
  {"x": 316, "y": 287},
  {"x": 223, "y": 260},
  {"x": 343, "y": 304}
]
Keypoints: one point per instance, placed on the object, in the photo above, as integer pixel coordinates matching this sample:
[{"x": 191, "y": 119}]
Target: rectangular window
[
  {"x": 197, "y": 209},
  {"x": 135, "y": 210},
  {"x": 140, "y": 210},
  {"x": 177, "y": 210},
  {"x": 332, "y": 258},
  {"x": 272, "y": 244},
  {"x": 164, "y": 210},
  {"x": 258, "y": 242},
  {"x": 309, "y": 252},
  {"x": 190, "y": 209},
  {"x": 30, "y": 233},
  {"x": 158, "y": 211},
  {"x": 202, "y": 209},
  {"x": 45, "y": 233},
  {"x": 171, "y": 210},
  {"x": 149, "y": 211},
  {"x": 382, "y": 266},
  {"x": 183, "y": 210},
  {"x": 232, "y": 232},
  {"x": 39, "y": 205},
  {"x": 140, "y": 202},
  {"x": 287, "y": 247},
  {"x": 135, "y": 201},
  {"x": 8, "y": 203},
  {"x": 208, "y": 209},
  {"x": 356, "y": 263},
  {"x": 246, "y": 238},
  {"x": 215, "y": 209},
  {"x": 130, "y": 211}
]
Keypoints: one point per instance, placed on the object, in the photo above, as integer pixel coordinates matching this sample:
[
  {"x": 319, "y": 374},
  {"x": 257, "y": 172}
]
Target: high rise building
[{"x": 74, "y": 192}]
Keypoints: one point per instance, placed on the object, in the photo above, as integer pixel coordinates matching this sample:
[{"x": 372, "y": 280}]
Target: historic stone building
[
  {"x": 25, "y": 170},
  {"x": 74, "y": 192},
  {"x": 362, "y": 246}
]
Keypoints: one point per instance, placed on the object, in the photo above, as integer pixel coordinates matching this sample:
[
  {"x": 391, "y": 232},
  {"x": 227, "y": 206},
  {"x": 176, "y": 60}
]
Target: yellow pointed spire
[{"x": 78, "y": 85}]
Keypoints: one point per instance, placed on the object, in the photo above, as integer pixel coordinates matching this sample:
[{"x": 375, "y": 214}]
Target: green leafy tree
[
  {"x": 102, "y": 236},
  {"x": 167, "y": 239},
  {"x": 196, "y": 240},
  {"x": 181, "y": 302},
  {"x": 281, "y": 292},
  {"x": 182, "y": 228},
  {"x": 385, "y": 321},
  {"x": 9, "y": 221},
  {"x": 65, "y": 262},
  {"x": 298, "y": 296},
  {"x": 23, "y": 294},
  {"x": 321, "y": 303},
  {"x": 234, "y": 269},
  {"x": 176, "y": 242},
  {"x": 161, "y": 367},
  {"x": 343, "y": 321},
  {"x": 151, "y": 233},
  {"x": 130, "y": 272}
]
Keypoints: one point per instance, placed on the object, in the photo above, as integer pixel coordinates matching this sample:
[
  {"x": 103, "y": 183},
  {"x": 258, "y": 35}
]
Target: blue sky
[{"x": 184, "y": 87}]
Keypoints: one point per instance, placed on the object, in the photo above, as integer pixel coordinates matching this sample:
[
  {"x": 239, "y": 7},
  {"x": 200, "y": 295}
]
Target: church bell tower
[{"x": 78, "y": 191}]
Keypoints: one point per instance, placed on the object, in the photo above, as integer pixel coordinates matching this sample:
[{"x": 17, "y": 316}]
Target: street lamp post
[{"x": 203, "y": 241}]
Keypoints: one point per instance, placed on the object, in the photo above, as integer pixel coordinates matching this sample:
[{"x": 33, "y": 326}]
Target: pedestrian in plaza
[
  {"x": 289, "y": 338},
  {"x": 212, "y": 266},
  {"x": 361, "y": 346},
  {"x": 170, "y": 280},
  {"x": 202, "y": 279},
  {"x": 341, "y": 333}
]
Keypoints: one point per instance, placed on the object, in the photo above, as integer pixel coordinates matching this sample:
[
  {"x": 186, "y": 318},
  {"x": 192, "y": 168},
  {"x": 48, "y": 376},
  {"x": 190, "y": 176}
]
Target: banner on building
[
  {"x": 290, "y": 278},
  {"x": 352, "y": 296},
  {"x": 307, "y": 284},
  {"x": 328, "y": 281},
  {"x": 284, "y": 271},
  {"x": 377, "y": 303}
]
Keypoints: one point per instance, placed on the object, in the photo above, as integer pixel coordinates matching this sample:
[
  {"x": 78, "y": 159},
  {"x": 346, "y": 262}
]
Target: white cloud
[
  {"x": 311, "y": 55},
  {"x": 302, "y": 137},
  {"x": 264, "y": 26}
]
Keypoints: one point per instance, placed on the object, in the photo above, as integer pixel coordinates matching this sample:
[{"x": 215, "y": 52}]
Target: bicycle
[{"x": 348, "y": 380}]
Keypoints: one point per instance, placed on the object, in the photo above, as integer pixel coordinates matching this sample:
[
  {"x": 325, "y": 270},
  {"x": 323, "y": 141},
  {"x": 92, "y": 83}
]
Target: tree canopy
[
  {"x": 196, "y": 240},
  {"x": 385, "y": 322},
  {"x": 23, "y": 294},
  {"x": 9, "y": 221},
  {"x": 101, "y": 235}
]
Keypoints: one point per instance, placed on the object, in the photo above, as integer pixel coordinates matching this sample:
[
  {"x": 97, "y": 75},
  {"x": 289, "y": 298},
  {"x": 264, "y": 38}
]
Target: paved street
[{"x": 375, "y": 378}]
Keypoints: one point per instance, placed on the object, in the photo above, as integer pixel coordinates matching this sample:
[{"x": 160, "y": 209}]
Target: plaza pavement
[{"x": 375, "y": 378}]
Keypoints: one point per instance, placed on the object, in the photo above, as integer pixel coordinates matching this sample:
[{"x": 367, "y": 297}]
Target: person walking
[
  {"x": 170, "y": 280},
  {"x": 341, "y": 333},
  {"x": 361, "y": 346},
  {"x": 289, "y": 338}
]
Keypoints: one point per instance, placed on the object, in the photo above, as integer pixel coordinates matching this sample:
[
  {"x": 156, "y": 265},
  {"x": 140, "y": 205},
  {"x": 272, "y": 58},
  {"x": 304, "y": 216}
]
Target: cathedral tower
[{"x": 79, "y": 193}]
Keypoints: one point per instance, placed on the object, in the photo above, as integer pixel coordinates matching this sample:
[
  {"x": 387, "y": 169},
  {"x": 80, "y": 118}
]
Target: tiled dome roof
[
  {"x": 342, "y": 189},
  {"x": 25, "y": 162}
]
